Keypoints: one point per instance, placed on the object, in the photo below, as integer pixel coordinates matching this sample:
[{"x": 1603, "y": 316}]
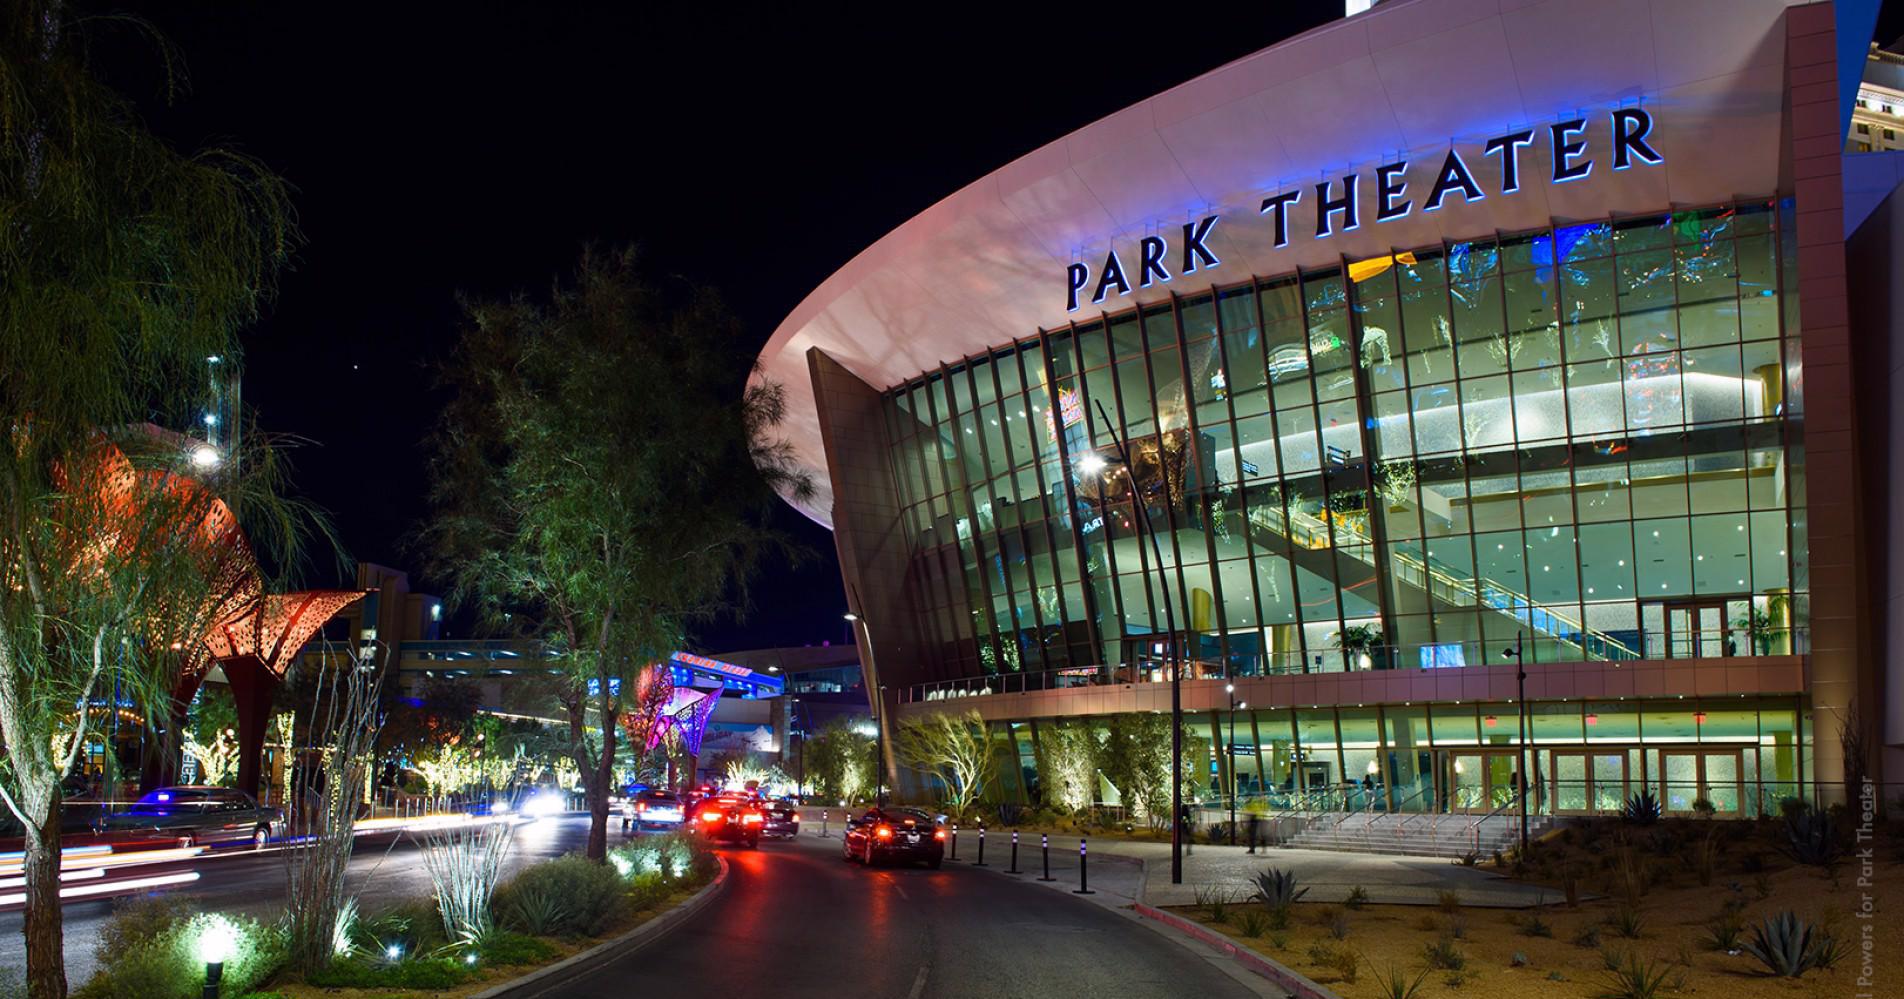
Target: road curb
[
  {"x": 1286, "y": 978},
  {"x": 607, "y": 950}
]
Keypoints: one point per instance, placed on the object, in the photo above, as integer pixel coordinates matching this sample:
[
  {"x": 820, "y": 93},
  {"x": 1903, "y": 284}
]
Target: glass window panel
[
  {"x": 1596, "y": 405},
  {"x": 1606, "y": 561},
  {"x": 1487, "y": 413},
  {"x": 1663, "y": 555},
  {"x": 1587, "y": 294},
  {"x": 1654, "y": 394},
  {"x": 1094, "y": 347},
  {"x": 1540, "y": 411},
  {"x": 1436, "y": 419},
  {"x": 1708, "y": 293},
  {"x": 1064, "y": 362},
  {"x": 1160, "y": 328},
  {"x": 1646, "y": 302},
  {"x": 1428, "y": 337}
]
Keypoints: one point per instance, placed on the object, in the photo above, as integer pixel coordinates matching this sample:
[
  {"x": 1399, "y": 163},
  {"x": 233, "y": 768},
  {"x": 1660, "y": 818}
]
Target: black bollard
[
  {"x": 981, "y": 847},
  {"x": 1252, "y": 834},
  {"x": 823, "y": 833},
  {"x": 1045, "y": 845},
  {"x": 955, "y": 841},
  {"x": 1013, "y": 869},
  {"x": 1084, "y": 887}
]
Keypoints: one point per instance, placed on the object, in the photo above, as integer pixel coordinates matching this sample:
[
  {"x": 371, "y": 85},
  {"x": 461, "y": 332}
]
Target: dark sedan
[
  {"x": 731, "y": 818},
  {"x": 906, "y": 835},
  {"x": 783, "y": 819},
  {"x": 198, "y": 816}
]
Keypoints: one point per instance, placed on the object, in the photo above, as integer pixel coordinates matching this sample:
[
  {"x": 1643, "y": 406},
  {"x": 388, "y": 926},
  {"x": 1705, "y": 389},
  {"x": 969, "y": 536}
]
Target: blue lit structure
[{"x": 504, "y": 657}]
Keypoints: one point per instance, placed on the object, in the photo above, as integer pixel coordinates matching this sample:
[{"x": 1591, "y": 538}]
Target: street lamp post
[
  {"x": 1229, "y": 761},
  {"x": 802, "y": 731},
  {"x": 879, "y": 712},
  {"x": 1172, "y": 660},
  {"x": 1520, "y": 719}
]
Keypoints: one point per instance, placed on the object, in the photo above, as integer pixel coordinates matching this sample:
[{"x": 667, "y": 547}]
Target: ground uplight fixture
[
  {"x": 215, "y": 944},
  {"x": 393, "y": 952},
  {"x": 205, "y": 457}
]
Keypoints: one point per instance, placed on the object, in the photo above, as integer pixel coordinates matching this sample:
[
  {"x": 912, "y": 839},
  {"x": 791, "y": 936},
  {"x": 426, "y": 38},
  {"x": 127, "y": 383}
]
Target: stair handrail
[
  {"x": 1472, "y": 587},
  {"x": 1475, "y": 826}
]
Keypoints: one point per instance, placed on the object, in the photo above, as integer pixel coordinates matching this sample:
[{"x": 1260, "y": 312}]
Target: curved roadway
[{"x": 795, "y": 921}]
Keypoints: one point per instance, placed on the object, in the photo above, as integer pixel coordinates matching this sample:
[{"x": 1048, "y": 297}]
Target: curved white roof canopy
[{"x": 1408, "y": 80}]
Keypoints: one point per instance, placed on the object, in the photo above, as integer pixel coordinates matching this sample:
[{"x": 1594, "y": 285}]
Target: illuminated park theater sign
[{"x": 1381, "y": 195}]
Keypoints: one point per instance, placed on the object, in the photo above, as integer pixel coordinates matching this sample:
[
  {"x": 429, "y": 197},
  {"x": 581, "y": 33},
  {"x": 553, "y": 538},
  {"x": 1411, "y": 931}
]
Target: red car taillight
[
  {"x": 710, "y": 816},
  {"x": 640, "y": 806},
  {"x": 883, "y": 832},
  {"x": 938, "y": 834},
  {"x": 751, "y": 818}
]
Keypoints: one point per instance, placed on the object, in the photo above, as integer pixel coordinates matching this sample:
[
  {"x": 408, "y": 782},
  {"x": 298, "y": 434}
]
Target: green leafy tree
[
  {"x": 126, "y": 266},
  {"x": 600, "y": 478},
  {"x": 1067, "y": 758},
  {"x": 840, "y": 759},
  {"x": 953, "y": 749},
  {"x": 1135, "y": 758}
]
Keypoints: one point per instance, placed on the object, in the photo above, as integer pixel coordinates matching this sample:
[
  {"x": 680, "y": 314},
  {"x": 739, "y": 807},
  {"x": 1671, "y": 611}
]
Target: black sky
[{"x": 475, "y": 147}]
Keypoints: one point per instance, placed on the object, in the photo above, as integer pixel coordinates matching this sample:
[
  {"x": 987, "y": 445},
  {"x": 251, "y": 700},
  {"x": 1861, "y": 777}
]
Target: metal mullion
[
  {"x": 1031, "y": 576},
  {"x": 1365, "y": 402},
  {"x": 1170, "y": 512},
  {"x": 1322, "y": 466},
  {"x": 1573, "y": 467},
  {"x": 1194, "y": 425},
  {"x": 1282, "y": 475},
  {"x": 1236, "y": 448},
  {"x": 1242, "y": 491},
  {"x": 1123, "y": 431},
  {"x": 977, "y": 547},
  {"x": 1513, "y": 421},
  {"x": 1091, "y": 611},
  {"x": 920, "y": 438}
]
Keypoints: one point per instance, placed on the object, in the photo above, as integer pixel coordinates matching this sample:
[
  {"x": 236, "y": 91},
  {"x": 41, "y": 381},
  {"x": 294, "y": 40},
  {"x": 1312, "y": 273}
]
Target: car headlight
[{"x": 543, "y": 804}]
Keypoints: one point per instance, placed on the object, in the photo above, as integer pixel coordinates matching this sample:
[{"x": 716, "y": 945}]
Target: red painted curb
[{"x": 1294, "y": 982}]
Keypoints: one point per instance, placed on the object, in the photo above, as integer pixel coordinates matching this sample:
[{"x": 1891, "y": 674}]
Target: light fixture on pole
[
  {"x": 1172, "y": 661},
  {"x": 1520, "y": 716},
  {"x": 879, "y": 704},
  {"x": 1229, "y": 761},
  {"x": 215, "y": 944}
]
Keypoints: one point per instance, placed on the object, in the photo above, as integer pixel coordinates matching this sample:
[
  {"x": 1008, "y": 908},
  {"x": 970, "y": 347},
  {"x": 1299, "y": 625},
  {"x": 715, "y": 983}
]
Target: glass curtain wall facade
[
  {"x": 1577, "y": 438},
  {"x": 1744, "y": 756}
]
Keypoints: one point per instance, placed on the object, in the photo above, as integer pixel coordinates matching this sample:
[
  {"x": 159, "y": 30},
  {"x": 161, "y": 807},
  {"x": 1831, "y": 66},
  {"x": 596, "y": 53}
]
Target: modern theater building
[{"x": 1450, "y": 332}]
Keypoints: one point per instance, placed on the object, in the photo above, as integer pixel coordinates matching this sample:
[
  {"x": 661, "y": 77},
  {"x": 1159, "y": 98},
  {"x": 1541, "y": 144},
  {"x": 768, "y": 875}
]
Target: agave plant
[
  {"x": 1788, "y": 946},
  {"x": 1277, "y": 888},
  {"x": 1642, "y": 809}
]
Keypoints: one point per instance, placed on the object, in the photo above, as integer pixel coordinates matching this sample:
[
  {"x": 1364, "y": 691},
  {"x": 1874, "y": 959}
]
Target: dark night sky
[{"x": 475, "y": 148}]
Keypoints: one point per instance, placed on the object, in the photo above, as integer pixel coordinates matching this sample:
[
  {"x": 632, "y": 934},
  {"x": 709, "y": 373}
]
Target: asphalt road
[
  {"x": 384, "y": 870},
  {"x": 796, "y": 921}
]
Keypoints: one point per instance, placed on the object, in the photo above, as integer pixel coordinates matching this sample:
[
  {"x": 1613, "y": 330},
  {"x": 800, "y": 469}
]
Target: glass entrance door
[
  {"x": 1584, "y": 782},
  {"x": 1477, "y": 780},
  {"x": 1690, "y": 775}
]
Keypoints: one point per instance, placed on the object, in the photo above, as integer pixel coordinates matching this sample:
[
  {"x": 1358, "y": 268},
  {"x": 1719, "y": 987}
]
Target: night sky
[{"x": 475, "y": 148}]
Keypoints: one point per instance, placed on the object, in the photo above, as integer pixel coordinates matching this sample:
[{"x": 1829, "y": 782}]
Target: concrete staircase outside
[{"x": 1415, "y": 834}]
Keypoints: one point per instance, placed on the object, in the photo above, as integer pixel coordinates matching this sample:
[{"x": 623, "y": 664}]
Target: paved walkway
[{"x": 1125, "y": 871}]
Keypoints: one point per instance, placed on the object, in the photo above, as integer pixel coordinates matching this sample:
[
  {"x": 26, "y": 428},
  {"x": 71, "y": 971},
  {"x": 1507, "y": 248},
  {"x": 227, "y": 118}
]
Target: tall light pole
[
  {"x": 1172, "y": 660},
  {"x": 1520, "y": 718},
  {"x": 879, "y": 710},
  {"x": 1230, "y": 763},
  {"x": 802, "y": 784}
]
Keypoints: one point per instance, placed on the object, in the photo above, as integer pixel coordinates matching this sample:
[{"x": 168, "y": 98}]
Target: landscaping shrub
[
  {"x": 1627, "y": 921},
  {"x": 1723, "y": 931},
  {"x": 568, "y": 896},
  {"x": 414, "y": 927},
  {"x": 1634, "y": 978},
  {"x": 150, "y": 949},
  {"x": 371, "y": 973},
  {"x": 505, "y": 948},
  {"x": 1448, "y": 900},
  {"x": 1394, "y": 983},
  {"x": 1277, "y": 888},
  {"x": 1444, "y": 954},
  {"x": 1536, "y": 927},
  {"x": 1642, "y": 809},
  {"x": 1358, "y": 897},
  {"x": 1252, "y": 922}
]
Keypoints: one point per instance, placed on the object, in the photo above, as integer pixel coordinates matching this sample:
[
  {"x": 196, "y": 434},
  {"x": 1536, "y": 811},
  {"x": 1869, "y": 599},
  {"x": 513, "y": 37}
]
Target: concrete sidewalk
[{"x": 1328, "y": 874}]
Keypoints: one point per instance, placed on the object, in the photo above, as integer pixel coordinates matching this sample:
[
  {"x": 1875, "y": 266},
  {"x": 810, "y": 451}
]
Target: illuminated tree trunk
[{"x": 45, "y": 934}]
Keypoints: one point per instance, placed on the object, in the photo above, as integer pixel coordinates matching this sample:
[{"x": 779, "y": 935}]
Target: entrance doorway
[
  {"x": 1687, "y": 775},
  {"x": 1707, "y": 628},
  {"x": 1477, "y": 780},
  {"x": 1584, "y": 782}
]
